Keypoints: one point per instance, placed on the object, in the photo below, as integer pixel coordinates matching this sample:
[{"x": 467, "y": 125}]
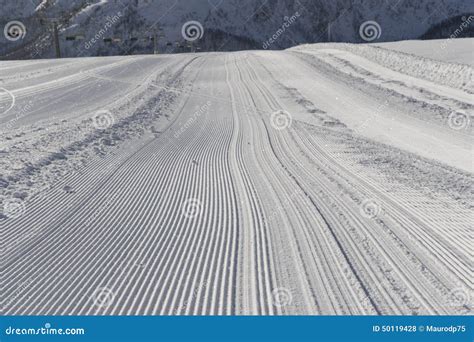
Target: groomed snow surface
[{"x": 324, "y": 179}]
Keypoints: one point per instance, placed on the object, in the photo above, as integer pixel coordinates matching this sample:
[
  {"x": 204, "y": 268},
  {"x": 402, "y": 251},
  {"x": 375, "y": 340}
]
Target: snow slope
[
  {"x": 318, "y": 180},
  {"x": 459, "y": 50}
]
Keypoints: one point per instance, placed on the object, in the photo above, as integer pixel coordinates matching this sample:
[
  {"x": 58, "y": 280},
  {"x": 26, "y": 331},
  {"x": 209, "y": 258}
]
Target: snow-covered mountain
[{"x": 227, "y": 24}]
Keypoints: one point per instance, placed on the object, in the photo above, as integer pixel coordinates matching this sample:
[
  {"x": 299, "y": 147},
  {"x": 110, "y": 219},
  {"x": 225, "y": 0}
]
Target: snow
[
  {"x": 41, "y": 5},
  {"x": 87, "y": 11},
  {"x": 324, "y": 179},
  {"x": 459, "y": 50},
  {"x": 415, "y": 129}
]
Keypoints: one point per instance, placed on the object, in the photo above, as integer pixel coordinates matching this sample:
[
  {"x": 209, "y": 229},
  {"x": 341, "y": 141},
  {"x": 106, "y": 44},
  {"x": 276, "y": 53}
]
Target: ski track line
[
  {"x": 26, "y": 224},
  {"x": 108, "y": 87},
  {"x": 310, "y": 295},
  {"x": 341, "y": 204},
  {"x": 219, "y": 210},
  {"x": 64, "y": 81},
  {"x": 221, "y": 242},
  {"x": 274, "y": 105},
  {"x": 257, "y": 262},
  {"x": 454, "y": 253},
  {"x": 402, "y": 220},
  {"x": 331, "y": 56}
]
